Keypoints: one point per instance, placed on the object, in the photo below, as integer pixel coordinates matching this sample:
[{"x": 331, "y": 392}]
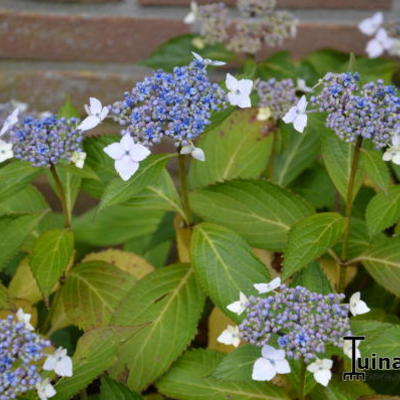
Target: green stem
[
  {"x": 348, "y": 213},
  {"x": 62, "y": 197},
  {"x": 183, "y": 190},
  {"x": 302, "y": 380},
  {"x": 271, "y": 161}
]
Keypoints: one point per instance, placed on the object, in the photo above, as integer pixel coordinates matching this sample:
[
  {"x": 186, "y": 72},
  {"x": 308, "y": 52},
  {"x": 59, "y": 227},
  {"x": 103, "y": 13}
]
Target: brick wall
[{"x": 88, "y": 47}]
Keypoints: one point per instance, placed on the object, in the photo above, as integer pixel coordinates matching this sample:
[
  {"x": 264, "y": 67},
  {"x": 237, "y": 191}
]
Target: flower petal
[
  {"x": 64, "y": 367},
  {"x": 139, "y": 152},
  {"x": 323, "y": 376},
  {"x": 235, "y": 307},
  {"x": 198, "y": 154},
  {"x": 282, "y": 367},
  {"x": 88, "y": 123},
  {"x": 95, "y": 106},
  {"x": 10, "y": 121},
  {"x": 263, "y": 370},
  {"x": 127, "y": 142},
  {"x": 300, "y": 122},
  {"x": 126, "y": 167},
  {"x": 231, "y": 82},
  {"x": 115, "y": 151}
]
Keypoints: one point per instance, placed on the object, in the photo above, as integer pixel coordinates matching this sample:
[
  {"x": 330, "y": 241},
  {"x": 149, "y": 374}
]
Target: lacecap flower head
[{"x": 44, "y": 141}]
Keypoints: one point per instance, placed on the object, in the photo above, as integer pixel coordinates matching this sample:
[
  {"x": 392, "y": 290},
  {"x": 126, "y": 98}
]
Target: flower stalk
[
  {"x": 302, "y": 384},
  {"x": 183, "y": 190},
  {"x": 348, "y": 214},
  {"x": 62, "y": 196}
]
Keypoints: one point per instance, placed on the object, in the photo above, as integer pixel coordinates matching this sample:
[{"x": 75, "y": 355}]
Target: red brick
[
  {"x": 79, "y": 1},
  {"x": 71, "y": 38},
  {"x": 349, "y": 4}
]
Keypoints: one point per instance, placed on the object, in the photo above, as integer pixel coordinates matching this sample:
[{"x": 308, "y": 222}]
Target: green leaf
[
  {"x": 309, "y": 239},
  {"x": 190, "y": 379},
  {"x": 238, "y": 365},
  {"x": 259, "y": 211},
  {"x": 170, "y": 302},
  {"x": 96, "y": 351},
  {"x": 13, "y": 232},
  {"x": 338, "y": 159},
  {"x": 50, "y": 257},
  {"x": 225, "y": 265},
  {"x": 383, "y": 210},
  {"x": 382, "y": 261},
  {"x": 93, "y": 291},
  {"x": 115, "y": 225},
  {"x": 15, "y": 176},
  {"x": 118, "y": 191},
  {"x": 328, "y": 60},
  {"x": 230, "y": 153},
  {"x": 159, "y": 196},
  {"x": 299, "y": 152},
  {"x": 26, "y": 201},
  {"x": 315, "y": 186},
  {"x": 68, "y": 110},
  {"x": 381, "y": 338},
  {"x": 375, "y": 168},
  {"x": 313, "y": 278},
  {"x": 4, "y": 300},
  {"x": 113, "y": 390},
  {"x": 338, "y": 390},
  {"x": 178, "y": 51},
  {"x": 279, "y": 66},
  {"x": 97, "y": 160},
  {"x": 85, "y": 172}
]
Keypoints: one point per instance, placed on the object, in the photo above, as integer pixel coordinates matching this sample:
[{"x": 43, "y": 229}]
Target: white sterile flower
[
  {"x": 192, "y": 16},
  {"x": 25, "y": 319},
  {"x": 393, "y": 152},
  {"x": 6, "y": 151},
  {"x": 230, "y": 336},
  {"x": 195, "y": 152},
  {"x": 370, "y": 25},
  {"x": 381, "y": 42},
  {"x": 78, "y": 158},
  {"x": 10, "y": 121},
  {"x": 321, "y": 369},
  {"x": 268, "y": 287},
  {"x": 207, "y": 61},
  {"x": 395, "y": 49},
  {"x": 45, "y": 389},
  {"x": 59, "y": 362},
  {"x": 264, "y": 114},
  {"x": 96, "y": 114},
  {"x": 348, "y": 351},
  {"x": 239, "y": 306},
  {"x": 297, "y": 115},
  {"x": 302, "y": 86},
  {"x": 127, "y": 155},
  {"x": 239, "y": 91},
  {"x": 357, "y": 306},
  {"x": 271, "y": 363}
]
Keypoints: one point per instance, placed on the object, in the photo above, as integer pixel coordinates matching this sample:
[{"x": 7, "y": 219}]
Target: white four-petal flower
[
  {"x": 192, "y": 16},
  {"x": 25, "y": 319},
  {"x": 10, "y": 121},
  {"x": 45, "y": 389},
  {"x": 321, "y": 369},
  {"x": 370, "y": 26},
  {"x": 127, "y": 155},
  {"x": 271, "y": 363},
  {"x": 379, "y": 44},
  {"x": 78, "y": 158},
  {"x": 195, "y": 152},
  {"x": 297, "y": 115},
  {"x": 239, "y": 91},
  {"x": 96, "y": 114},
  {"x": 393, "y": 152},
  {"x": 230, "y": 336},
  {"x": 239, "y": 306},
  {"x": 268, "y": 287},
  {"x": 59, "y": 362},
  {"x": 207, "y": 61},
  {"x": 6, "y": 151},
  {"x": 357, "y": 306}
]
